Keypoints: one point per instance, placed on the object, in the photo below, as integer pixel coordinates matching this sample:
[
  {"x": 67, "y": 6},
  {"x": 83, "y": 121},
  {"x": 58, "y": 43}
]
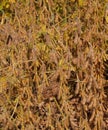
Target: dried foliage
[{"x": 53, "y": 65}]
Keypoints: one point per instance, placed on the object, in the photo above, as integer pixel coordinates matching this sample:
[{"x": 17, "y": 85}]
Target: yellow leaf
[
  {"x": 73, "y": 0},
  {"x": 106, "y": 13},
  {"x": 7, "y": 6},
  {"x": 43, "y": 28},
  {"x": 80, "y": 3},
  {"x": 73, "y": 68},
  {"x": 61, "y": 62},
  {"x": 3, "y": 83},
  {"x": 12, "y": 1},
  {"x": 3, "y": 80}
]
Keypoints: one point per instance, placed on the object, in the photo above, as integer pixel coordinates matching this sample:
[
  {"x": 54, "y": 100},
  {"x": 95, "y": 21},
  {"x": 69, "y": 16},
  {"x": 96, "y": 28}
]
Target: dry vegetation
[{"x": 53, "y": 65}]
